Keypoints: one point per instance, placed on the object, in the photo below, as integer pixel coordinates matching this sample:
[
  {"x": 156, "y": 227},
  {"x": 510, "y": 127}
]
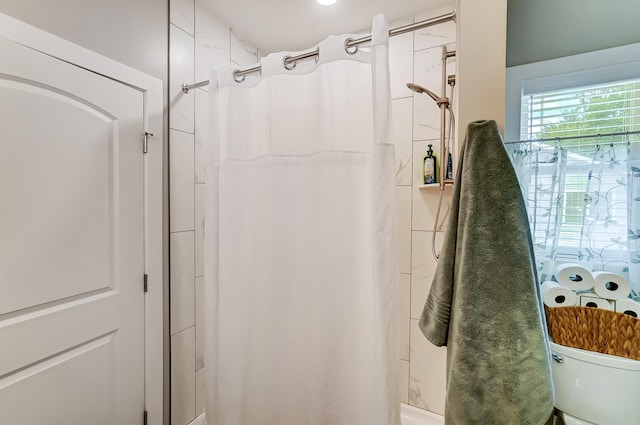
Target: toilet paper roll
[
  {"x": 628, "y": 306},
  {"x": 595, "y": 302},
  {"x": 612, "y": 286},
  {"x": 574, "y": 277},
  {"x": 556, "y": 295}
]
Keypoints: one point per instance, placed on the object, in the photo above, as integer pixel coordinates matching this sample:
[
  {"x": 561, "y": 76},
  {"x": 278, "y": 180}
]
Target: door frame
[{"x": 151, "y": 88}]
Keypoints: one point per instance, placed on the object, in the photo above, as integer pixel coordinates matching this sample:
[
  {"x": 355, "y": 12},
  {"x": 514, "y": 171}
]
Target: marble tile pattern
[
  {"x": 183, "y": 377},
  {"x": 427, "y": 72},
  {"x": 405, "y": 313},
  {"x": 404, "y": 381},
  {"x": 437, "y": 35},
  {"x": 202, "y": 131},
  {"x": 400, "y": 62},
  {"x": 403, "y": 200},
  {"x": 426, "y": 365},
  {"x": 427, "y": 377},
  {"x": 423, "y": 266},
  {"x": 181, "y": 181},
  {"x": 402, "y": 110},
  {"x": 198, "y": 43},
  {"x": 199, "y": 305},
  {"x": 182, "y": 212},
  {"x": 199, "y": 211},
  {"x": 242, "y": 52},
  {"x": 200, "y": 391},
  {"x": 181, "y": 70},
  {"x": 182, "y": 294},
  {"x": 182, "y": 15},
  {"x": 212, "y": 43}
]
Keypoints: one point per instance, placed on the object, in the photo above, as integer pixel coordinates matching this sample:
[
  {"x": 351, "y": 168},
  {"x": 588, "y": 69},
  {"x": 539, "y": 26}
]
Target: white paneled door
[{"x": 72, "y": 306}]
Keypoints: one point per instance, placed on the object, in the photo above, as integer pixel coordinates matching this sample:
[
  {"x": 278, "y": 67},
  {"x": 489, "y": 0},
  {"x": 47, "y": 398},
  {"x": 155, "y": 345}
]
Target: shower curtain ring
[
  {"x": 347, "y": 46},
  {"x": 288, "y": 63},
  {"x": 237, "y": 76}
]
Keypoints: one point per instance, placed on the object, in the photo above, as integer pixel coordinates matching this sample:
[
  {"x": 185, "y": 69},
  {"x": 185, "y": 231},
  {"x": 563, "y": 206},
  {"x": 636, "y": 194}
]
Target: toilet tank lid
[{"x": 595, "y": 358}]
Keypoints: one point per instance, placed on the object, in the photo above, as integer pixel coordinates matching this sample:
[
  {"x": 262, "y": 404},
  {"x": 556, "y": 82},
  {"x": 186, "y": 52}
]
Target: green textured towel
[{"x": 484, "y": 302}]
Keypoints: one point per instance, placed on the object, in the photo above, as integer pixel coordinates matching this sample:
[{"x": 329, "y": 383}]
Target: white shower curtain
[{"x": 301, "y": 288}]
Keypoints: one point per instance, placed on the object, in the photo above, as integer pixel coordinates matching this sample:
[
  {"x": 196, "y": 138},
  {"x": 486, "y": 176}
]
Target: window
[
  {"x": 599, "y": 109},
  {"x": 578, "y": 189}
]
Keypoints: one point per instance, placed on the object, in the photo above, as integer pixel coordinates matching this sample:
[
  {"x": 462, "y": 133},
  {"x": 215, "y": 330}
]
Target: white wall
[
  {"x": 548, "y": 29},
  {"x": 198, "y": 42},
  {"x": 133, "y": 32},
  {"x": 482, "y": 28}
]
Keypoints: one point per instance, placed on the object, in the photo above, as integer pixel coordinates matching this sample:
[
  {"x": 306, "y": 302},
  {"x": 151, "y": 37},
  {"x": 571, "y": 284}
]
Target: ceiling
[{"x": 275, "y": 25}]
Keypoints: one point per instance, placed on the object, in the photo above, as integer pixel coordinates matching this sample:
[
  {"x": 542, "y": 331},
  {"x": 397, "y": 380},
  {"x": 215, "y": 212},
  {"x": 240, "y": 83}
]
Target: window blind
[{"x": 598, "y": 109}]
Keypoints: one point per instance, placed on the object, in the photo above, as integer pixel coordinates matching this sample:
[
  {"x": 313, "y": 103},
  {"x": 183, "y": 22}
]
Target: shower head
[{"x": 419, "y": 89}]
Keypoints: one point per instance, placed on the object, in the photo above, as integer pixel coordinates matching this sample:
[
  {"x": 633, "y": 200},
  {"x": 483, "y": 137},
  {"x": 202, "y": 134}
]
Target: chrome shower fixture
[{"x": 419, "y": 89}]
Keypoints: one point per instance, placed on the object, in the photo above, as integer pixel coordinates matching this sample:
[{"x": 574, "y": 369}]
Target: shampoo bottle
[
  {"x": 449, "y": 173},
  {"x": 429, "y": 171}
]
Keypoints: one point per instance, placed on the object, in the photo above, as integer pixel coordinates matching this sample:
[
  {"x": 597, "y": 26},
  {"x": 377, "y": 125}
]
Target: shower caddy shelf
[{"x": 432, "y": 186}]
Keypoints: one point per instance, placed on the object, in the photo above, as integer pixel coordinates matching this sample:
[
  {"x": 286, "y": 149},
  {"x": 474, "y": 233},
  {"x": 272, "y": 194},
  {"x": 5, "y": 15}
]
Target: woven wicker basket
[{"x": 595, "y": 329}]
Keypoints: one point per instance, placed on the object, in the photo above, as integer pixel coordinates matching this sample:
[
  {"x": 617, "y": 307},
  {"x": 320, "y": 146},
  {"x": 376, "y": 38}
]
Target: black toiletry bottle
[
  {"x": 449, "y": 175},
  {"x": 429, "y": 170}
]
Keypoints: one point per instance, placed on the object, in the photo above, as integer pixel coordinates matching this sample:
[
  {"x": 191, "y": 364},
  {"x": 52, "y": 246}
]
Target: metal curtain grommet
[
  {"x": 288, "y": 63},
  {"x": 237, "y": 76},
  {"x": 352, "y": 50}
]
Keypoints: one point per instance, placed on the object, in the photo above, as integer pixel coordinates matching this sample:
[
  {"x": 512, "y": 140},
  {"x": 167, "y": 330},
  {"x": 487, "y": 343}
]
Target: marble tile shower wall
[
  {"x": 198, "y": 41},
  {"x": 416, "y": 57}
]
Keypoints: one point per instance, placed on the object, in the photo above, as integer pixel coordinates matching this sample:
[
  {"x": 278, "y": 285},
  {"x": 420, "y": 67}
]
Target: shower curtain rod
[
  {"x": 289, "y": 62},
  {"x": 560, "y": 139}
]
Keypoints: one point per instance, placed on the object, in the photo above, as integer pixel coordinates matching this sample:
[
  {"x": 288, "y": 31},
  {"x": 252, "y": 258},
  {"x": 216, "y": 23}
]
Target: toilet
[{"x": 595, "y": 389}]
